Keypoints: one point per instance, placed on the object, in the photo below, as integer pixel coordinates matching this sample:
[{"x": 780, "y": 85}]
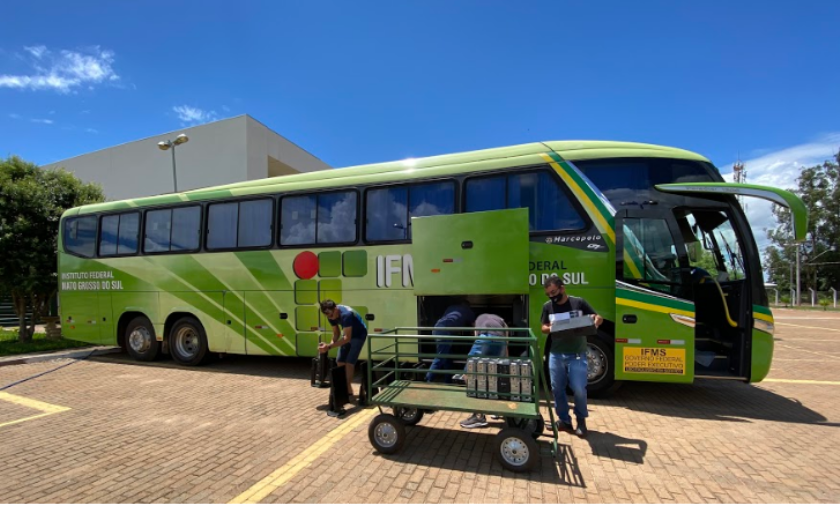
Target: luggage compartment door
[{"x": 478, "y": 253}]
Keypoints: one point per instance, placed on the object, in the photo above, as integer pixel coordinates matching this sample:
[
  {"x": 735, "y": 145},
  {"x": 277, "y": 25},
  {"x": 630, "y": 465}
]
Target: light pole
[{"x": 164, "y": 146}]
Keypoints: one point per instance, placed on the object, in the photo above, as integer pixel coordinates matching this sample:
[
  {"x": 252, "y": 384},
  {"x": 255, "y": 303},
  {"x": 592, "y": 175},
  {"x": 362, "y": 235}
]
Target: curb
[{"x": 74, "y": 354}]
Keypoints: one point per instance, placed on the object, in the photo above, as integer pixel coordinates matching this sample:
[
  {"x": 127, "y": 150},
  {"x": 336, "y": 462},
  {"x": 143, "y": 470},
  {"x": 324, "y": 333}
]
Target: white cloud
[
  {"x": 191, "y": 116},
  {"x": 225, "y": 108},
  {"x": 14, "y": 116},
  {"x": 779, "y": 169},
  {"x": 42, "y": 121},
  {"x": 36, "y": 51},
  {"x": 63, "y": 71},
  {"x": 91, "y": 130}
]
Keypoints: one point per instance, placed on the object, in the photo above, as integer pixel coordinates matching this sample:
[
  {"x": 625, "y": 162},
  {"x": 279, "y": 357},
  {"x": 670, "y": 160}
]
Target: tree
[
  {"x": 819, "y": 188},
  {"x": 32, "y": 201}
]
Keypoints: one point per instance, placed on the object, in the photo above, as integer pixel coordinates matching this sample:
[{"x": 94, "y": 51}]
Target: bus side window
[
  {"x": 550, "y": 208},
  {"x": 389, "y": 210},
  {"x": 80, "y": 236}
]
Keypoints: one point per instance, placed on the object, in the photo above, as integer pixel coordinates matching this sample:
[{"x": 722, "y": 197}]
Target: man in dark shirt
[
  {"x": 457, "y": 315},
  {"x": 351, "y": 340},
  {"x": 567, "y": 362}
]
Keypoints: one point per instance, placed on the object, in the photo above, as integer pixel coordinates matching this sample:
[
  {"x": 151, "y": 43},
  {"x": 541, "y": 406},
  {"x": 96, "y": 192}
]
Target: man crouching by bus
[
  {"x": 351, "y": 341},
  {"x": 567, "y": 362}
]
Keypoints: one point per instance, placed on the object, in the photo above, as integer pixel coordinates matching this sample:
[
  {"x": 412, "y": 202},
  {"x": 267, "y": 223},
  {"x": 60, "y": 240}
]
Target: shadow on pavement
[
  {"x": 475, "y": 452},
  {"x": 610, "y": 445},
  {"x": 713, "y": 400}
]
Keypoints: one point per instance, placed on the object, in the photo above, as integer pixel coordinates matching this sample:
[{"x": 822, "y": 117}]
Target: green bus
[{"x": 651, "y": 236}]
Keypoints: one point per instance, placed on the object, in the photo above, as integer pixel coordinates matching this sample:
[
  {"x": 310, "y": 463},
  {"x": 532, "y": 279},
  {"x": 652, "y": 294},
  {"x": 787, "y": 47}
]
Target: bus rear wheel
[
  {"x": 140, "y": 341},
  {"x": 188, "y": 342}
]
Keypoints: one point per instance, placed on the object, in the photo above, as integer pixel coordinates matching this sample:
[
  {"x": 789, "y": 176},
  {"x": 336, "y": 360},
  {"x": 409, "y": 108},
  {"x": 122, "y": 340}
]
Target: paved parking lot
[{"x": 251, "y": 429}]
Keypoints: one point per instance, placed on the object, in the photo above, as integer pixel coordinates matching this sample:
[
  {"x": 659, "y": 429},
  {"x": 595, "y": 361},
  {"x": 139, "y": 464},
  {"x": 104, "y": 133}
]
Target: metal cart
[{"x": 394, "y": 381}]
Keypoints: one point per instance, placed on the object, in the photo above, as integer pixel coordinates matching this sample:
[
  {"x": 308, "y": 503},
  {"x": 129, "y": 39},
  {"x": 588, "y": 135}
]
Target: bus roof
[{"x": 403, "y": 169}]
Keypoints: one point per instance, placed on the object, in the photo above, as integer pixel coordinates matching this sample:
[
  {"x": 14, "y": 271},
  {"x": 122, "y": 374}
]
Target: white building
[{"x": 231, "y": 150}]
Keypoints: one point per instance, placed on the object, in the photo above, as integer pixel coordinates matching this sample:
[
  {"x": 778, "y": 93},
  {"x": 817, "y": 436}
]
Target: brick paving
[{"x": 161, "y": 433}]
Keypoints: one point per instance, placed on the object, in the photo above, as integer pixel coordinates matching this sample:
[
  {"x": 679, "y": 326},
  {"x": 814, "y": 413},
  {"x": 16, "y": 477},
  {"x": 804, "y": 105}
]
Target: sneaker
[
  {"x": 581, "y": 430},
  {"x": 496, "y": 418},
  {"x": 474, "y": 421},
  {"x": 458, "y": 378},
  {"x": 564, "y": 426}
]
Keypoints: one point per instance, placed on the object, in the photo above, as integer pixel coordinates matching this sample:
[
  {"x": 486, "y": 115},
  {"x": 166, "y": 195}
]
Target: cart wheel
[
  {"x": 517, "y": 450},
  {"x": 409, "y": 415},
  {"x": 386, "y": 433},
  {"x": 535, "y": 427}
]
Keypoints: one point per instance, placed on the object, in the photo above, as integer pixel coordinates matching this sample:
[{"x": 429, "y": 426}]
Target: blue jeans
[
  {"x": 443, "y": 347},
  {"x": 568, "y": 369}
]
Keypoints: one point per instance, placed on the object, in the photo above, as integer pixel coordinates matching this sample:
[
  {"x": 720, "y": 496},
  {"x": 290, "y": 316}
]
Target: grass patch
[{"x": 9, "y": 344}]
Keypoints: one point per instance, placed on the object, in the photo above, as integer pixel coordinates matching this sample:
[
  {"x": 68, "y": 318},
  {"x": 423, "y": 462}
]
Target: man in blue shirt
[
  {"x": 351, "y": 340},
  {"x": 457, "y": 315}
]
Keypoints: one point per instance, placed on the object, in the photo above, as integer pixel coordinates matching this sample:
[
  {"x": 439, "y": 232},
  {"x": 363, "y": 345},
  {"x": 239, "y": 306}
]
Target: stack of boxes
[{"x": 500, "y": 379}]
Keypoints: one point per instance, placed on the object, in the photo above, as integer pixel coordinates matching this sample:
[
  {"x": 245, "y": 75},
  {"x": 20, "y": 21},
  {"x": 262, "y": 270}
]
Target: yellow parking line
[
  {"x": 286, "y": 472},
  {"x": 811, "y": 327},
  {"x": 47, "y": 409},
  {"x": 802, "y": 381}
]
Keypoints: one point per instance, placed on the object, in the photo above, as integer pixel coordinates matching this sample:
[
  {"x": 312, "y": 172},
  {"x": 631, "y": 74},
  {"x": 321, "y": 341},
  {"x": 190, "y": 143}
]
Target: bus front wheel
[
  {"x": 188, "y": 342},
  {"x": 600, "y": 357}
]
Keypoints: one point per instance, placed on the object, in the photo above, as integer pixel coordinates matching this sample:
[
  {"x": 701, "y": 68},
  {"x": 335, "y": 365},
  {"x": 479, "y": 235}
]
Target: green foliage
[
  {"x": 819, "y": 188},
  {"x": 824, "y": 303},
  {"x": 10, "y": 344},
  {"x": 32, "y": 201}
]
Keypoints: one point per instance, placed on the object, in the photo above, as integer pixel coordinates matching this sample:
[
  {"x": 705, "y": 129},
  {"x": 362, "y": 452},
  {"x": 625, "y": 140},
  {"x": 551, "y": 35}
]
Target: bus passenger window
[
  {"x": 186, "y": 229},
  {"x": 327, "y": 218},
  {"x": 433, "y": 199},
  {"x": 298, "y": 220},
  {"x": 389, "y": 210},
  {"x": 255, "y": 223},
  {"x": 109, "y": 228},
  {"x": 129, "y": 230},
  {"x": 487, "y": 193},
  {"x": 80, "y": 236},
  {"x": 157, "y": 231},
  {"x": 222, "y": 220},
  {"x": 550, "y": 208},
  {"x": 337, "y": 218},
  {"x": 118, "y": 234},
  {"x": 387, "y": 214}
]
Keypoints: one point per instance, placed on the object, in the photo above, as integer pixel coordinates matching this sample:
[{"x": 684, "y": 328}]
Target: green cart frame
[{"x": 396, "y": 353}]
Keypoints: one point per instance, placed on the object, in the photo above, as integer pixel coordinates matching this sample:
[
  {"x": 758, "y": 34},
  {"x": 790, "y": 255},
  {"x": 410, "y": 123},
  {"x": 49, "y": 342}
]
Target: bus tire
[
  {"x": 386, "y": 434},
  {"x": 188, "y": 342},
  {"x": 140, "y": 341},
  {"x": 517, "y": 450},
  {"x": 600, "y": 355}
]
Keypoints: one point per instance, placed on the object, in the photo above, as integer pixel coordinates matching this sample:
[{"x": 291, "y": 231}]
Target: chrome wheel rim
[
  {"x": 187, "y": 342},
  {"x": 385, "y": 434},
  {"x": 597, "y": 363},
  {"x": 140, "y": 339},
  {"x": 515, "y": 451}
]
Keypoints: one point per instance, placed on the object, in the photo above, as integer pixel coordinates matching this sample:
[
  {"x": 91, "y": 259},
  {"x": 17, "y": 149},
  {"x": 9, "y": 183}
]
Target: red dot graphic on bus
[{"x": 306, "y": 265}]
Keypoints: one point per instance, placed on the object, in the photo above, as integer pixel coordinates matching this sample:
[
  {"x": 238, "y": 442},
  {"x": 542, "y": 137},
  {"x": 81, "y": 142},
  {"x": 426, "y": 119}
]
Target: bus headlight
[{"x": 765, "y": 326}]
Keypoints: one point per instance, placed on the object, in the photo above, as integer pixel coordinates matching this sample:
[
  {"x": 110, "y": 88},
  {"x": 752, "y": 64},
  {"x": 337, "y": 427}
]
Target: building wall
[{"x": 223, "y": 152}]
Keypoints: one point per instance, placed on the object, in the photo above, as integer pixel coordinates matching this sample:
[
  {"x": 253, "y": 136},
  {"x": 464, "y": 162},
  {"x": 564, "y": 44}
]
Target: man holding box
[{"x": 567, "y": 362}]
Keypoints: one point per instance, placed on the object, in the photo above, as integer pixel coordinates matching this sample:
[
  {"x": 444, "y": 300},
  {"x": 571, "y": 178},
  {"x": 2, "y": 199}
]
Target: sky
[{"x": 363, "y": 82}]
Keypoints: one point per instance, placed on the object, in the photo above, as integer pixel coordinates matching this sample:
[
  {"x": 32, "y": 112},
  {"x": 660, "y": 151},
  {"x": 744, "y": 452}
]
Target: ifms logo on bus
[{"x": 392, "y": 270}]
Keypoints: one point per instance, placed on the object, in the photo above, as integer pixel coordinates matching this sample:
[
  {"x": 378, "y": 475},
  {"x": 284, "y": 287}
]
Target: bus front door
[{"x": 654, "y": 328}]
